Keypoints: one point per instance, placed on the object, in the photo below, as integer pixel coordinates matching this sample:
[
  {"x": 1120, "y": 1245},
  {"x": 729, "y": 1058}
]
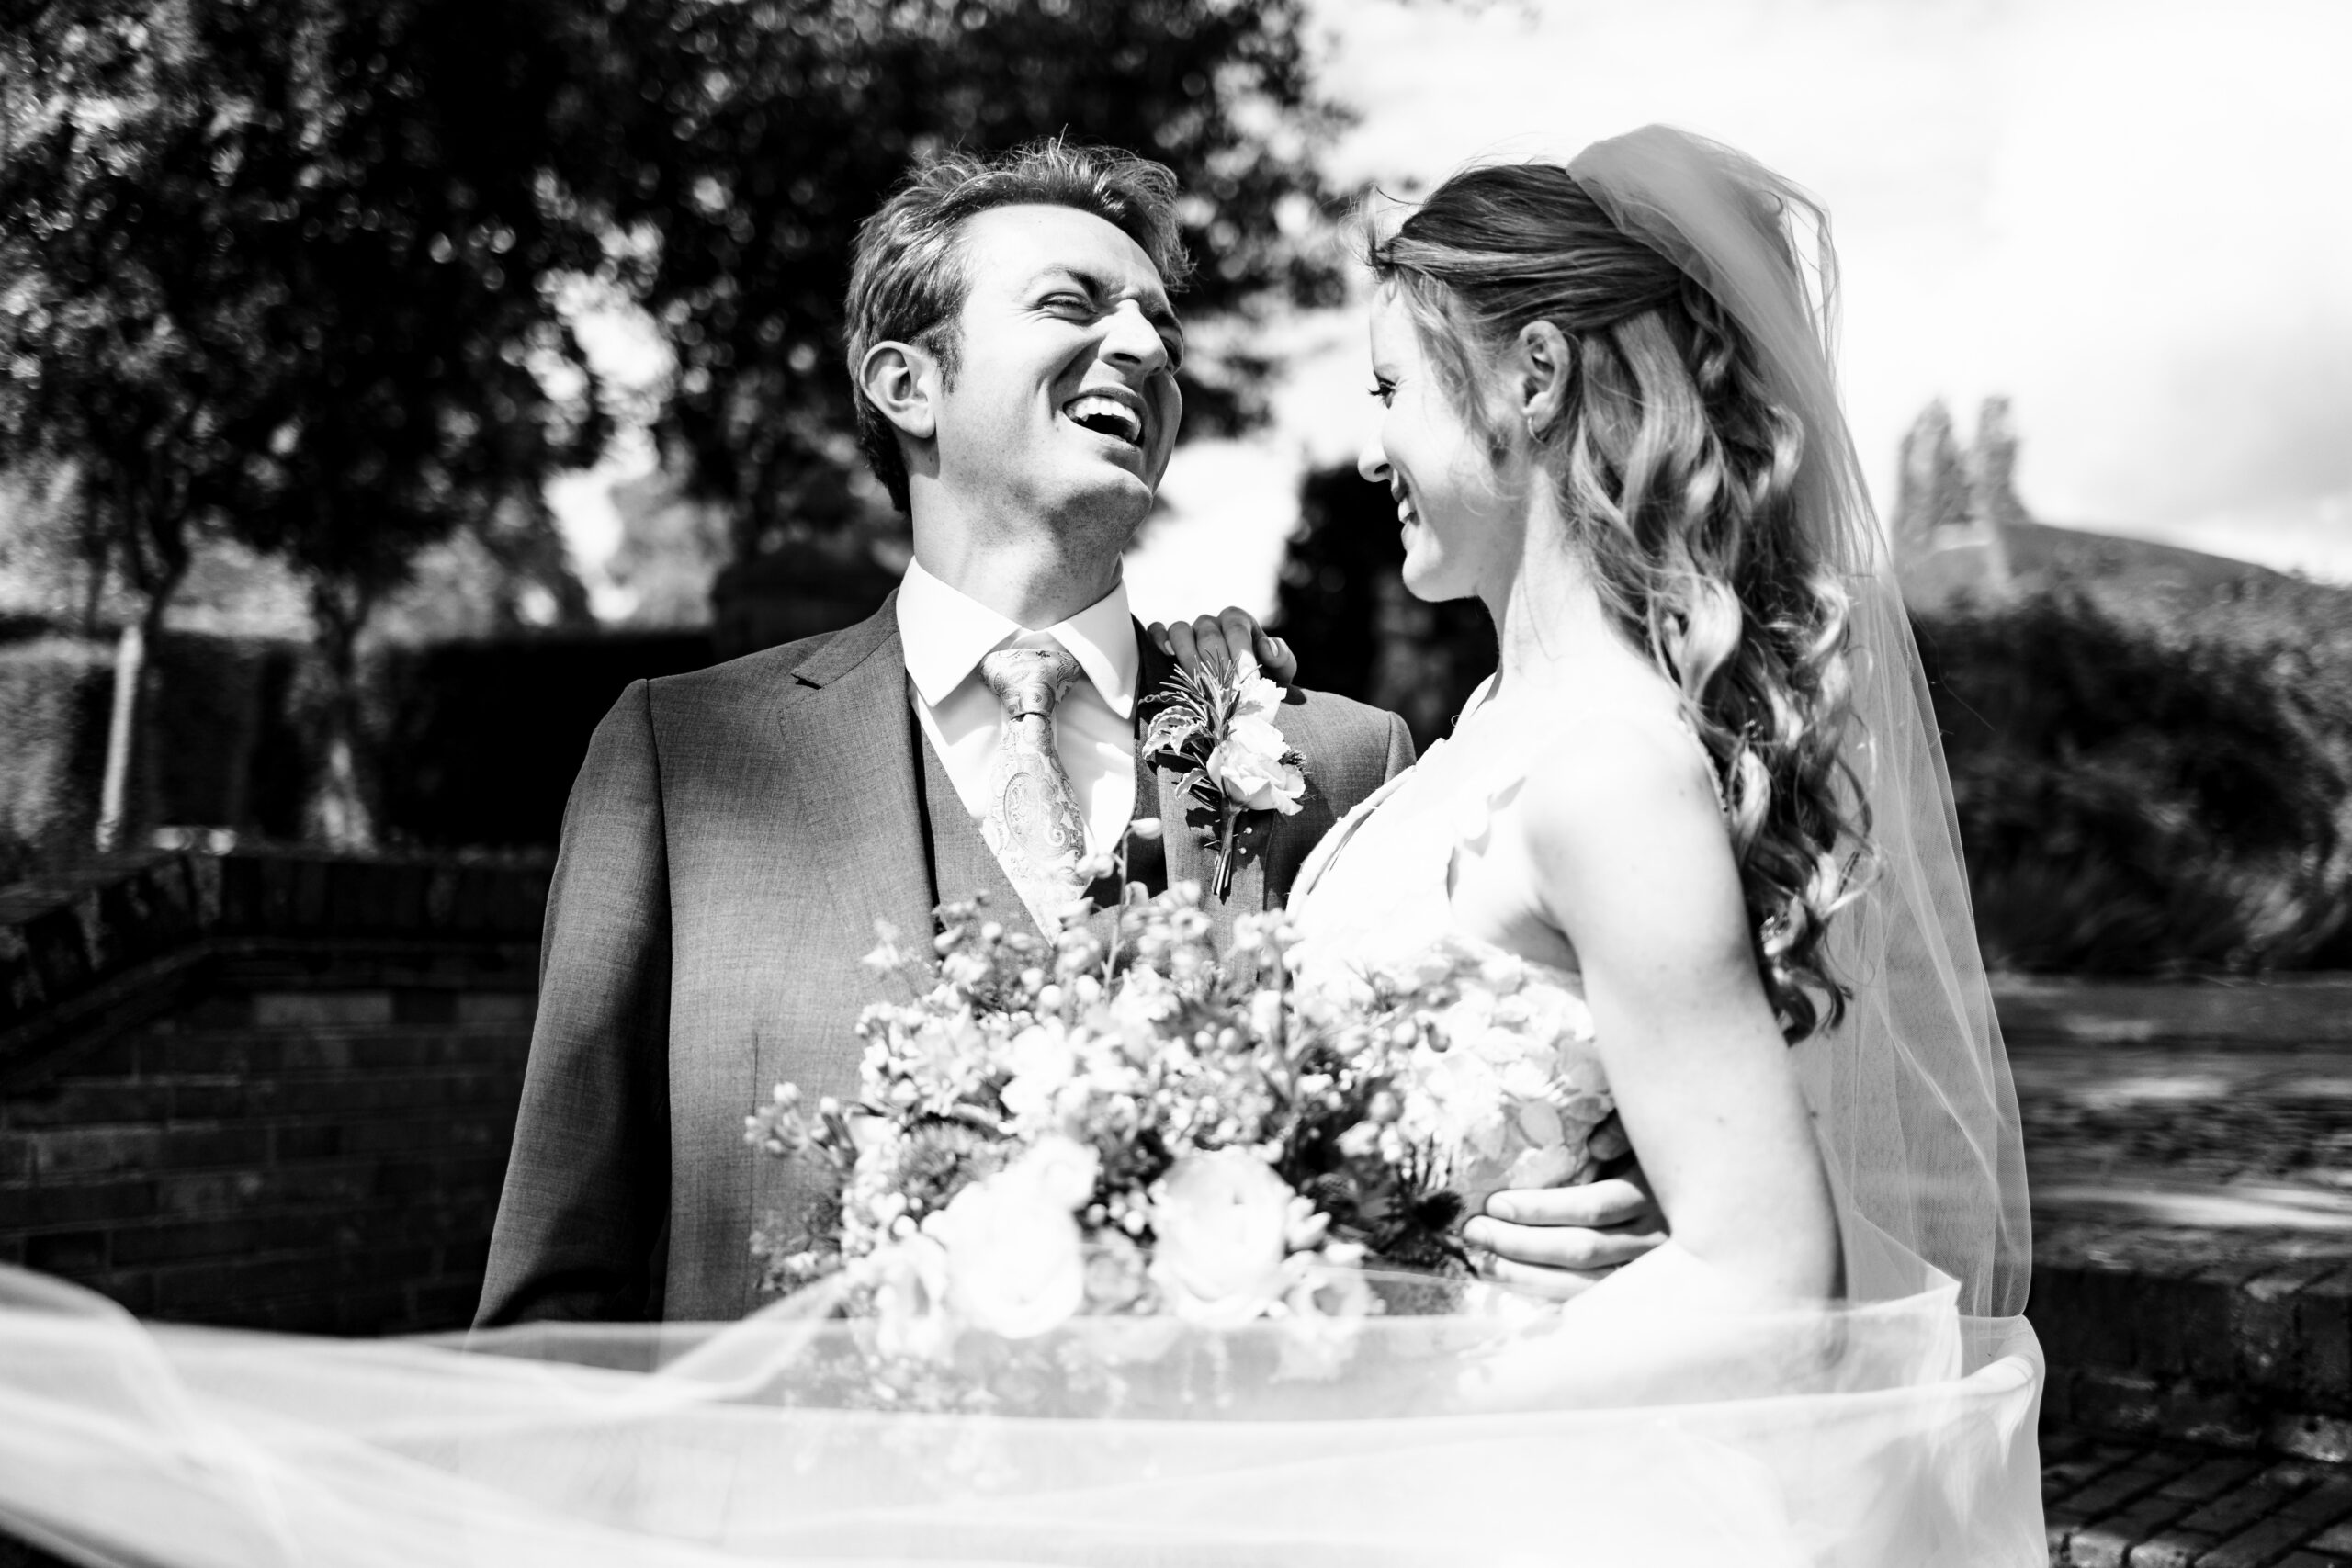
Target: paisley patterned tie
[{"x": 1033, "y": 822}]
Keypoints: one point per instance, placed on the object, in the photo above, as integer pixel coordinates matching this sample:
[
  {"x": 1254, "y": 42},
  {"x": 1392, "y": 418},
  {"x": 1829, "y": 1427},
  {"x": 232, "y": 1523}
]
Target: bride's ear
[
  {"x": 902, "y": 381},
  {"x": 1544, "y": 371}
]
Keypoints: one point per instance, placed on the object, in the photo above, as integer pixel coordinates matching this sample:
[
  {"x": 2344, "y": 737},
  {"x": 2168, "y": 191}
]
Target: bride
[{"x": 1701, "y": 796}]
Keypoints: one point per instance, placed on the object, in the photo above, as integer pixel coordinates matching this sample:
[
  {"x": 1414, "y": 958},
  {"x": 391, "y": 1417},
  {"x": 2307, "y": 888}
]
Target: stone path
[
  {"x": 2164, "y": 1504},
  {"x": 2193, "y": 1194},
  {"x": 2262, "y": 1134}
]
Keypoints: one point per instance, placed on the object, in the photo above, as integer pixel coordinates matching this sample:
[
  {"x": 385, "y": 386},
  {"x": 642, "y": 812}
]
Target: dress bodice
[{"x": 1375, "y": 898}]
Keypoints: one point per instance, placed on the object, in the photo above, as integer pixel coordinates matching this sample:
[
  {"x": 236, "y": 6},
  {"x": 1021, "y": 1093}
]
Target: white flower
[
  {"x": 1220, "y": 1219},
  {"x": 1456, "y": 1104},
  {"x": 1064, "y": 1169},
  {"x": 910, "y": 1300},
  {"x": 1256, "y": 698},
  {"x": 1549, "y": 1166},
  {"x": 1043, "y": 1064},
  {"x": 1015, "y": 1265},
  {"x": 1328, "y": 1302},
  {"x": 1247, "y": 765}
]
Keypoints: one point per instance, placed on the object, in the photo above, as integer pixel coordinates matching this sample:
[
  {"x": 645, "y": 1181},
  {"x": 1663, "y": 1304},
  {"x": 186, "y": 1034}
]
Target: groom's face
[{"x": 1064, "y": 404}]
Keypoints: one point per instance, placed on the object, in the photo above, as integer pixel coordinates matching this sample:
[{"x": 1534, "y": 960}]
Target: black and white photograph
[{"x": 1175, "y": 783}]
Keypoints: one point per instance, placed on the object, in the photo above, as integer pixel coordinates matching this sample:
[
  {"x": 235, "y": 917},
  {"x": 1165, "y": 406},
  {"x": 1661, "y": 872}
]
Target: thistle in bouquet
[{"x": 1217, "y": 726}]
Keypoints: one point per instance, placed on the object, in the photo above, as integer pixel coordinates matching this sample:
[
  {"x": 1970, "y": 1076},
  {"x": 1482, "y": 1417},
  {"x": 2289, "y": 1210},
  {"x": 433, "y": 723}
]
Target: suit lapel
[{"x": 854, "y": 776}]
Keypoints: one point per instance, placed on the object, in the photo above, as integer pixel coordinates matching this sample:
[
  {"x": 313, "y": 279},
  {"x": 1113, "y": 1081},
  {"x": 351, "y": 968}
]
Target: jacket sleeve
[
  {"x": 586, "y": 1198},
  {"x": 1400, "y": 747}
]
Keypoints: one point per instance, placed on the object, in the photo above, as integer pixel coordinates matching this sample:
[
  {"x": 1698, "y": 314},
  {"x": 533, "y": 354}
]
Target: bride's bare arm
[{"x": 1627, "y": 848}]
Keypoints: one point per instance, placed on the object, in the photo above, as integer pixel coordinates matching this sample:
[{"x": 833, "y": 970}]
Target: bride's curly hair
[{"x": 1677, "y": 468}]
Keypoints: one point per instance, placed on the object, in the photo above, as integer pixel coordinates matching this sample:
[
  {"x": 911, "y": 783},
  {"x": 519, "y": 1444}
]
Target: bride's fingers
[
  {"x": 1592, "y": 1206},
  {"x": 1281, "y": 664},
  {"x": 1558, "y": 1246},
  {"x": 1214, "y": 636},
  {"x": 1244, "y": 637},
  {"x": 1179, "y": 641},
  {"x": 1559, "y": 1284},
  {"x": 1157, "y": 633}
]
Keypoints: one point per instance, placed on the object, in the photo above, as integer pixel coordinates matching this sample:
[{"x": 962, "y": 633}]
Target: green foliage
[
  {"x": 283, "y": 269},
  {"x": 229, "y": 746},
  {"x": 282, "y": 263},
  {"x": 490, "y": 734},
  {"x": 53, "y": 696},
  {"x": 2154, "y": 784},
  {"x": 758, "y": 133}
]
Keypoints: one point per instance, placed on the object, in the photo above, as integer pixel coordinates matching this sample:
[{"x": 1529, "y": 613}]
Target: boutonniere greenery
[{"x": 1218, "y": 727}]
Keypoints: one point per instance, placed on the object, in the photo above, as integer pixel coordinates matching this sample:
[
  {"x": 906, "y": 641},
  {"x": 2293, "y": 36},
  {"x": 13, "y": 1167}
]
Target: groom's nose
[{"x": 1132, "y": 343}]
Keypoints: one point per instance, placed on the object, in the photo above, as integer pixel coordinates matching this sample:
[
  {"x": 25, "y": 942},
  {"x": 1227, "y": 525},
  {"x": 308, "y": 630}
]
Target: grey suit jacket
[{"x": 731, "y": 839}]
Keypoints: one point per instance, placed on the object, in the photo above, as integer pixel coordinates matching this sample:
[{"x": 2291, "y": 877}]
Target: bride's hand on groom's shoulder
[
  {"x": 1222, "y": 641},
  {"x": 1561, "y": 1241}
]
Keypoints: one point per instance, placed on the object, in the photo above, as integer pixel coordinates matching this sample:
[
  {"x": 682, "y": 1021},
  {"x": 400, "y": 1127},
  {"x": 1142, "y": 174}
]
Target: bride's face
[{"x": 1461, "y": 527}]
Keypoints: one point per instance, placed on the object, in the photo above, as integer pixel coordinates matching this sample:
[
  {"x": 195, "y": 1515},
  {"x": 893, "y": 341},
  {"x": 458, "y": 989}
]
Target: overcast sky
[{"x": 2130, "y": 216}]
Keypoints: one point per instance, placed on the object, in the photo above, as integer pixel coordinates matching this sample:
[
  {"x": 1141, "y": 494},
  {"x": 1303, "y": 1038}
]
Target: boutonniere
[{"x": 1219, "y": 728}]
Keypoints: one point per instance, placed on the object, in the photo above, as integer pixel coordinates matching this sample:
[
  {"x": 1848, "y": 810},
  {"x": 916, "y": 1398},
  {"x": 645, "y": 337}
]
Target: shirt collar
[{"x": 944, "y": 633}]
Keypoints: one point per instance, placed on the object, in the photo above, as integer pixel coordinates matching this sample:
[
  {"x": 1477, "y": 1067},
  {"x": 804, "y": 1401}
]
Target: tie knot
[{"x": 1029, "y": 681}]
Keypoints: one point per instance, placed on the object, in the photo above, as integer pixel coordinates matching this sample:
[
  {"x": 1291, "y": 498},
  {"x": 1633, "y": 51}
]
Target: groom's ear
[{"x": 901, "y": 380}]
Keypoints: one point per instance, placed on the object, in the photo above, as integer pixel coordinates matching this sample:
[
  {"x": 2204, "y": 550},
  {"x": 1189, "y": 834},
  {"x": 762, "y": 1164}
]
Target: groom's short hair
[{"x": 907, "y": 283}]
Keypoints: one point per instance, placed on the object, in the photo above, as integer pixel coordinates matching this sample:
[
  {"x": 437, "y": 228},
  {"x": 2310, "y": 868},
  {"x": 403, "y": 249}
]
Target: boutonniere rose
[{"x": 1219, "y": 728}]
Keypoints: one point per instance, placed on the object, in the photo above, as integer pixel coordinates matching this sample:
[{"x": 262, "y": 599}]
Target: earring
[{"x": 1541, "y": 437}]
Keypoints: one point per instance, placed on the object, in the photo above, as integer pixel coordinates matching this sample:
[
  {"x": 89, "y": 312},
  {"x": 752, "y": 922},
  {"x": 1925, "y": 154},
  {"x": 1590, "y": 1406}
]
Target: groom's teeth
[{"x": 1106, "y": 416}]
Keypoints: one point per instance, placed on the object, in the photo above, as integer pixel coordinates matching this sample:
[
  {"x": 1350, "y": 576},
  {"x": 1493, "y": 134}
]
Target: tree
[
  {"x": 288, "y": 268},
  {"x": 129, "y": 352},
  {"x": 756, "y": 136},
  {"x": 414, "y": 154}
]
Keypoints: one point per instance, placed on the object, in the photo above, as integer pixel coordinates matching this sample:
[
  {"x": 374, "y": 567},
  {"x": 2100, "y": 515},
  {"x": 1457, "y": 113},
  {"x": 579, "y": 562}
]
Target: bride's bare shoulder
[{"x": 1620, "y": 806}]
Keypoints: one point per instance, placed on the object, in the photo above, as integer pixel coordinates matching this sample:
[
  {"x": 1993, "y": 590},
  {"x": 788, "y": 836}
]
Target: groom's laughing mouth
[{"x": 1113, "y": 411}]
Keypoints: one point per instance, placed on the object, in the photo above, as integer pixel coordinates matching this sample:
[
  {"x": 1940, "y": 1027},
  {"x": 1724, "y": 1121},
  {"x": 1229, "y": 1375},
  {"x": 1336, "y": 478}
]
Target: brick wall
[{"x": 293, "y": 1110}]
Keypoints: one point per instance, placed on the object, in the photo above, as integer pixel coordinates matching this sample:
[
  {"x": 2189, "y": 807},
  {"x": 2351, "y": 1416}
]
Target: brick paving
[
  {"x": 2192, "y": 1182},
  {"x": 2162, "y": 1504}
]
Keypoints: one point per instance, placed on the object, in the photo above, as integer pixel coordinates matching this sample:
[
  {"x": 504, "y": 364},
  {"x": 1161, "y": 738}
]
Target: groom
[{"x": 734, "y": 834}]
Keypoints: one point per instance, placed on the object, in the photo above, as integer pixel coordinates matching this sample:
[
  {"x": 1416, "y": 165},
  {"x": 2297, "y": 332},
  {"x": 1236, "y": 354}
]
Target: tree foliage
[
  {"x": 2153, "y": 784},
  {"x": 757, "y": 134},
  {"x": 287, "y": 267}
]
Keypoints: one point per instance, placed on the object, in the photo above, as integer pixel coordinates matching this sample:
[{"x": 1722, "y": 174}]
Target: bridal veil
[
  {"x": 1910, "y": 1440},
  {"x": 1911, "y": 1093}
]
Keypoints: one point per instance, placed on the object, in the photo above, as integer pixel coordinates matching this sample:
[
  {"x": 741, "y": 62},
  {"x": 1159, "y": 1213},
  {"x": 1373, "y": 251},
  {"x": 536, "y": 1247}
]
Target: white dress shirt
[{"x": 947, "y": 633}]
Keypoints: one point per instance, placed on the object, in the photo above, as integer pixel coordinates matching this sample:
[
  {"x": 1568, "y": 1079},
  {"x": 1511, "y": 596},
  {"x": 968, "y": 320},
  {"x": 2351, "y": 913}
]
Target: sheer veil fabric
[
  {"x": 1912, "y": 1093},
  {"x": 1894, "y": 1428}
]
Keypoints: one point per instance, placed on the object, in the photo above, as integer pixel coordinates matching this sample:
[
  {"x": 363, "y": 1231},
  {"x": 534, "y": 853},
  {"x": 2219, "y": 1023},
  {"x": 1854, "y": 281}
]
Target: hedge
[
  {"x": 481, "y": 740},
  {"x": 476, "y": 743},
  {"x": 2158, "y": 784}
]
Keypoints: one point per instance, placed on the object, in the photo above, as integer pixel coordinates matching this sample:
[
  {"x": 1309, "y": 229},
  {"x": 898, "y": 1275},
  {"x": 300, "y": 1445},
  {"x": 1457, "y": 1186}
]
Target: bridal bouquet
[{"x": 1143, "y": 1127}]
